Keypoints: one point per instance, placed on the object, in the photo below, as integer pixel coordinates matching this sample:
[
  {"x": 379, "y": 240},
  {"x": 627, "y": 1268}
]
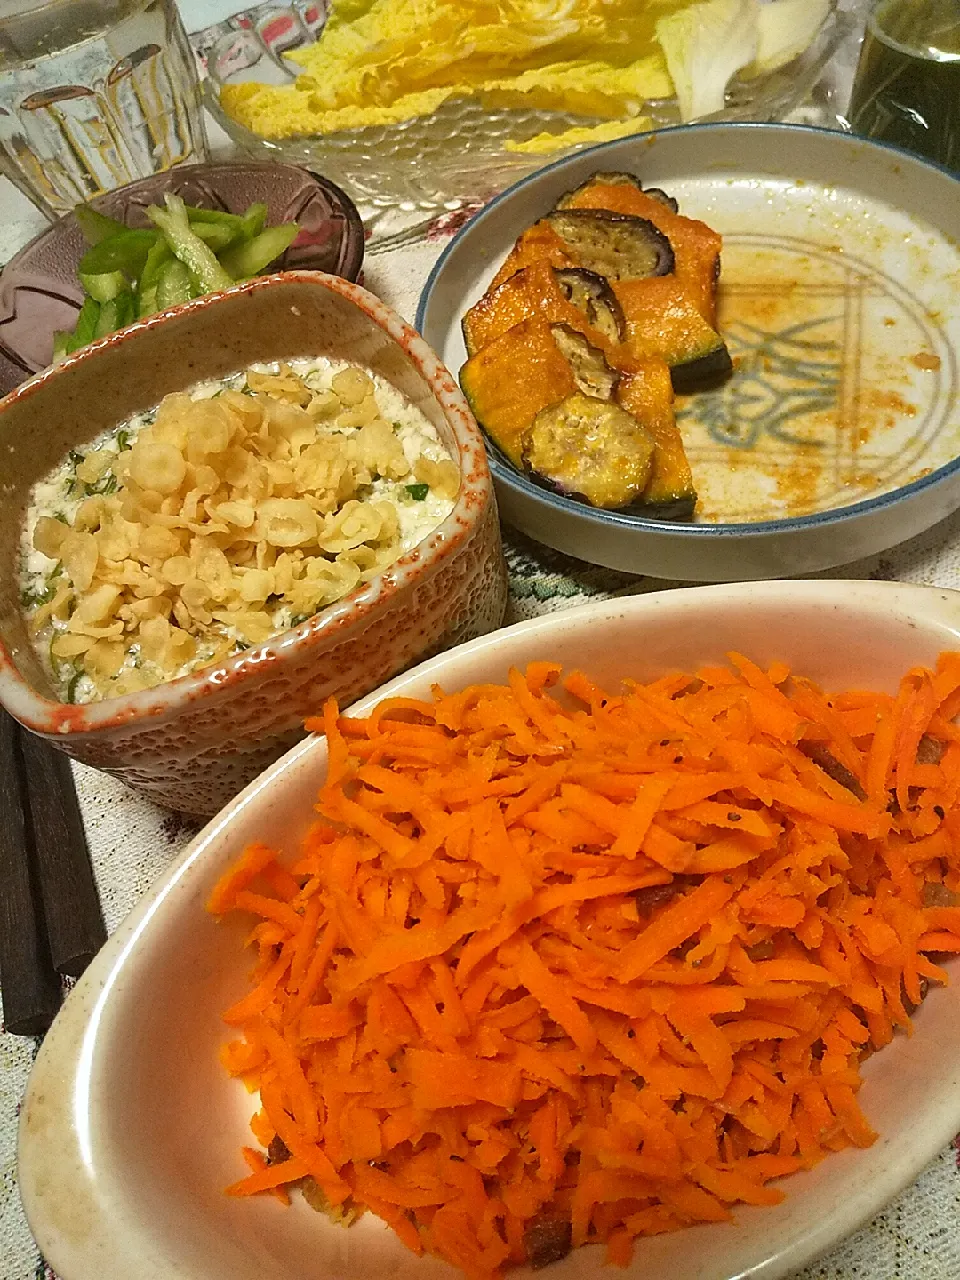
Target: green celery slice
[
  {"x": 126, "y": 309},
  {"x": 147, "y": 301},
  {"x": 96, "y": 226},
  {"x": 218, "y": 235},
  {"x": 105, "y": 286},
  {"x": 245, "y": 260},
  {"x": 65, "y": 343},
  {"x": 198, "y": 258},
  {"x": 126, "y": 251},
  {"x": 174, "y": 285},
  {"x": 86, "y": 325},
  {"x": 212, "y": 216},
  {"x": 254, "y": 220},
  {"x": 107, "y": 320},
  {"x": 156, "y": 258}
]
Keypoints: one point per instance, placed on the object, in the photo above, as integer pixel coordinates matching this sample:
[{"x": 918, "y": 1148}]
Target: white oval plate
[
  {"x": 838, "y": 433},
  {"x": 130, "y": 1128}
]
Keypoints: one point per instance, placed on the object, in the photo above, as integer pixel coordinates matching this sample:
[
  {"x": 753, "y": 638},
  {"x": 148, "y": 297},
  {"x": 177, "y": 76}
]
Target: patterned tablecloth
[{"x": 133, "y": 841}]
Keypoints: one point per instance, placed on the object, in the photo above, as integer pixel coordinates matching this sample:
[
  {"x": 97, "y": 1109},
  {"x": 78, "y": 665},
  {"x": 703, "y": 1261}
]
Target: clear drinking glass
[
  {"x": 94, "y": 94},
  {"x": 907, "y": 88}
]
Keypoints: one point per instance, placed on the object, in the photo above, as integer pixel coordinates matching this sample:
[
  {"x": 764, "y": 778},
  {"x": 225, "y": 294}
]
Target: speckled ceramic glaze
[
  {"x": 131, "y": 1128},
  {"x": 194, "y": 742}
]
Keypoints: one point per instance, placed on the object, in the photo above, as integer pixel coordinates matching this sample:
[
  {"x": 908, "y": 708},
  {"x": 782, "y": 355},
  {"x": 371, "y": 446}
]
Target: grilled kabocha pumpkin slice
[
  {"x": 630, "y": 320},
  {"x": 609, "y": 472},
  {"x": 696, "y": 247},
  {"x": 615, "y": 245},
  {"x": 528, "y": 368},
  {"x": 568, "y": 295},
  {"x": 669, "y": 311},
  {"x": 525, "y": 370},
  {"x": 615, "y": 178},
  {"x": 663, "y": 323},
  {"x": 647, "y": 395},
  {"x": 589, "y": 449},
  {"x": 539, "y": 243},
  {"x": 515, "y": 382}
]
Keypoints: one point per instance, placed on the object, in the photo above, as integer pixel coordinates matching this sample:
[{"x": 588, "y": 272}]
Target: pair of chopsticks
[{"x": 51, "y": 925}]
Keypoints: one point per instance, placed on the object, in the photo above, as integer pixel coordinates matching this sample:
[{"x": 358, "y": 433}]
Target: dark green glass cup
[{"x": 907, "y": 87}]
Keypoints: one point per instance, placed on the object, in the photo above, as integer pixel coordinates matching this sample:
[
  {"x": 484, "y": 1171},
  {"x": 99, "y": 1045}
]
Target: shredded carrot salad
[{"x": 579, "y": 966}]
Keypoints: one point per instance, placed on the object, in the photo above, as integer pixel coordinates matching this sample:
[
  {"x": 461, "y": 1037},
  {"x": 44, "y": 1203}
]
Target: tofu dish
[{"x": 226, "y": 515}]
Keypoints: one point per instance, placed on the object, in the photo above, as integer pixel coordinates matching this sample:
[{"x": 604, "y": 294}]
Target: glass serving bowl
[{"x": 455, "y": 155}]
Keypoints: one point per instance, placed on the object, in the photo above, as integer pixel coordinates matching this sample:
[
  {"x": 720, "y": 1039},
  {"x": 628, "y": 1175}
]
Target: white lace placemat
[{"x": 132, "y": 841}]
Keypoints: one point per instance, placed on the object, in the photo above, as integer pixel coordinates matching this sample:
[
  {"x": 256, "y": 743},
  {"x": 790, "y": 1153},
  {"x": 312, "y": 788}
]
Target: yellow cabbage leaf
[
  {"x": 382, "y": 61},
  {"x": 584, "y": 88},
  {"x": 543, "y": 144}
]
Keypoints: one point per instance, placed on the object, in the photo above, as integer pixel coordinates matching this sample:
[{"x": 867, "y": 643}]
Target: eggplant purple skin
[
  {"x": 656, "y": 193},
  {"x": 611, "y": 178},
  {"x": 677, "y": 511},
  {"x": 596, "y": 289},
  {"x": 616, "y": 178},
  {"x": 636, "y": 236}
]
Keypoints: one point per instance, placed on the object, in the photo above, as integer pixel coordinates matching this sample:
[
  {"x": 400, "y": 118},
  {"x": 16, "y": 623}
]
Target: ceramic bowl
[
  {"x": 839, "y": 432},
  {"x": 193, "y": 742},
  {"x": 39, "y": 291},
  {"x": 130, "y": 1128}
]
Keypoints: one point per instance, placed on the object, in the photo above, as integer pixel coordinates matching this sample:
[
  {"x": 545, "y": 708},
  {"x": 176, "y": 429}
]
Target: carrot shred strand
[{"x": 558, "y": 964}]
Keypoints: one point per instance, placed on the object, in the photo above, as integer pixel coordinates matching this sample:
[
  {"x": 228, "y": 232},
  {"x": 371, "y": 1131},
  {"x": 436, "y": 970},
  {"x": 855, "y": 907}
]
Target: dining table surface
[{"x": 132, "y": 841}]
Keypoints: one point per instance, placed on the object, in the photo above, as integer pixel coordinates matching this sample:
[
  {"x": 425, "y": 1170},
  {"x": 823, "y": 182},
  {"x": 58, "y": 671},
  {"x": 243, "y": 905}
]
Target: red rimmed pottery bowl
[{"x": 193, "y": 742}]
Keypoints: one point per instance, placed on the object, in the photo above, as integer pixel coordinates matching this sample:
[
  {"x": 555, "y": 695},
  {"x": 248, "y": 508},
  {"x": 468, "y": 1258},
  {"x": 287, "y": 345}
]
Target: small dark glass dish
[{"x": 39, "y": 290}]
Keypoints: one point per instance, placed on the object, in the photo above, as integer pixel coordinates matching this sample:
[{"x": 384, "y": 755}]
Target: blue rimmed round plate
[{"x": 838, "y": 434}]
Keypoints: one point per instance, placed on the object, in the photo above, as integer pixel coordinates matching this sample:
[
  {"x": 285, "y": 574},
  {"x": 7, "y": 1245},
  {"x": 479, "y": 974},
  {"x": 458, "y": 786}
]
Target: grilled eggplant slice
[
  {"x": 696, "y": 246},
  {"x": 647, "y": 395},
  {"x": 573, "y": 199},
  {"x": 580, "y": 299},
  {"x": 591, "y": 295},
  {"x": 618, "y": 246},
  {"x": 591, "y": 373},
  {"x": 589, "y": 449},
  {"x": 655, "y": 193},
  {"x": 512, "y": 379},
  {"x": 528, "y": 368},
  {"x": 664, "y": 323},
  {"x": 601, "y": 311},
  {"x": 613, "y": 178}
]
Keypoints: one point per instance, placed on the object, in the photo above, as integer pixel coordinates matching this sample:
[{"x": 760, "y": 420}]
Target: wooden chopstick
[
  {"x": 50, "y": 918},
  {"x": 71, "y": 904},
  {"x": 28, "y": 982}
]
